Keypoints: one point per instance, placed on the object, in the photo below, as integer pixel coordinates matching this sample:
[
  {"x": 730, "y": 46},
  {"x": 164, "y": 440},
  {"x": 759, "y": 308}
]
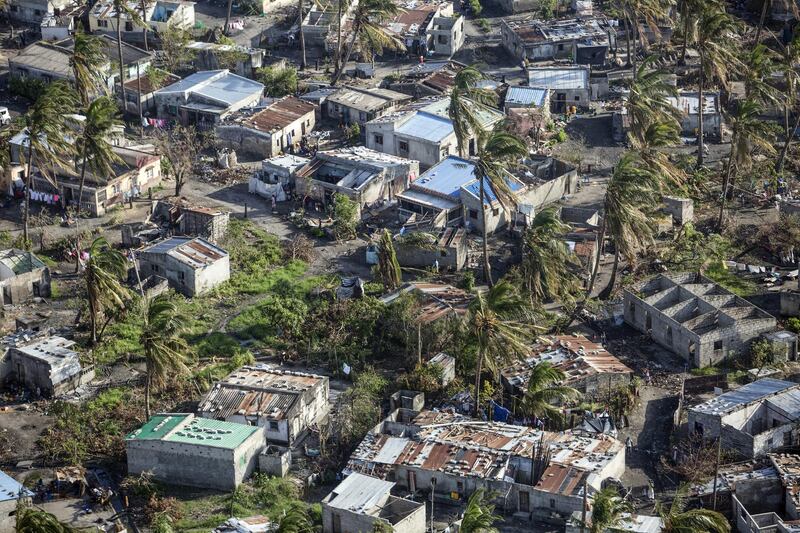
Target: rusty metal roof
[
  {"x": 438, "y": 300},
  {"x": 280, "y": 114}
]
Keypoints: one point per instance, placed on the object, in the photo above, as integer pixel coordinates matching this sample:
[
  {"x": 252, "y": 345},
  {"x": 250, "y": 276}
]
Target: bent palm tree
[
  {"x": 295, "y": 520},
  {"x": 544, "y": 391},
  {"x": 87, "y": 61},
  {"x": 122, "y": 7},
  {"x": 647, "y": 101},
  {"x": 651, "y": 147},
  {"x": 548, "y": 265},
  {"x": 494, "y": 154},
  {"x": 465, "y": 101},
  {"x": 790, "y": 56},
  {"x": 367, "y": 20},
  {"x": 609, "y": 511},
  {"x": 95, "y": 151},
  {"x": 479, "y": 514},
  {"x": 103, "y": 272},
  {"x": 498, "y": 336},
  {"x": 45, "y": 123},
  {"x": 164, "y": 348},
  {"x": 34, "y": 520},
  {"x": 750, "y": 133},
  {"x": 679, "y": 520}
]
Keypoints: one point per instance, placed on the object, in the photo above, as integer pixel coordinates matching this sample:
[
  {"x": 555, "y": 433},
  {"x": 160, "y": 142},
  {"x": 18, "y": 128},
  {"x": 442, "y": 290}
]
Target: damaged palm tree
[
  {"x": 103, "y": 272},
  {"x": 388, "y": 266}
]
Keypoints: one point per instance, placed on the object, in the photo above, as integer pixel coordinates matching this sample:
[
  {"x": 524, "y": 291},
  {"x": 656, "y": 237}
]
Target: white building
[
  {"x": 569, "y": 86},
  {"x": 158, "y": 16},
  {"x": 191, "y": 265}
]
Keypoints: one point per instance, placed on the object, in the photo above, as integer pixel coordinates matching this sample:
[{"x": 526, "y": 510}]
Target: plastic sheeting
[{"x": 266, "y": 190}]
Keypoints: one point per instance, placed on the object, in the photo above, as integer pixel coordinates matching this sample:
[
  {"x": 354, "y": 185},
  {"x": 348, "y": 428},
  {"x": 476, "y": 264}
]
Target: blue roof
[
  {"x": 453, "y": 174},
  {"x": 10, "y": 488},
  {"x": 526, "y": 96},
  {"x": 217, "y": 85},
  {"x": 426, "y": 126}
]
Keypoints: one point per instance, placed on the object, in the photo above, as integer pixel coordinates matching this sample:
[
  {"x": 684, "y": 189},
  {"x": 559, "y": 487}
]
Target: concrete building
[
  {"x": 241, "y": 60},
  {"x": 637, "y": 523},
  {"x": 180, "y": 449},
  {"x": 583, "y": 238},
  {"x": 282, "y": 402},
  {"x": 33, "y": 12},
  {"x": 271, "y": 131},
  {"x": 587, "y": 366},
  {"x": 141, "y": 91},
  {"x": 423, "y": 131},
  {"x": 451, "y": 456},
  {"x": 365, "y": 176},
  {"x": 751, "y": 420},
  {"x": 583, "y": 41},
  {"x": 437, "y": 300},
  {"x": 569, "y": 85},
  {"x": 448, "y": 193},
  {"x": 320, "y": 24},
  {"x": 42, "y": 363},
  {"x": 191, "y": 265},
  {"x": 354, "y": 105},
  {"x": 428, "y": 28},
  {"x": 49, "y": 61},
  {"x": 681, "y": 209},
  {"x": 688, "y": 104},
  {"x": 526, "y": 98},
  {"x": 419, "y": 249},
  {"x": 360, "y": 501},
  {"x": 279, "y": 169},
  {"x": 184, "y": 218},
  {"x": 431, "y": 78},
  {"x": 158, "y": 16},
  {"x": 23, "y": 276},
  {"x": 61, "y": 23},
  {"x": 205, "y": 98},
  {"x": 694, "y": 317}
]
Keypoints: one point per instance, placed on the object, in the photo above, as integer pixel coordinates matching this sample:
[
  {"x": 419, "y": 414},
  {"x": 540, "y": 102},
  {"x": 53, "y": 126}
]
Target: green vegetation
[
  {"x": 475, "y": 7},
  {"x": 29, "y": 88},
  {"x": 483, "y": 25},
  {"x": 278, "y": 81},
  {"x": 793, "y": 324},
  {"x": 345, "y": 216}
]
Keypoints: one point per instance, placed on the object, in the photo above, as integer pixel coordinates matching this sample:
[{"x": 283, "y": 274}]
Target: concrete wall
[
  {"x": 790, "y": 303},
  {"x": 448, "y": 258},
  {"x": 33, "y": 11},
  {"x": 446, "y": 35},
  {"x": 275, "y": 462},
  {"x": 194, "y": 465},
  {"x": 264, "y": 144},
  {"x": 496, "y": 216},
  {"x": 428, "y": 153},
  {"x": 23, "y": 287},
  {"x": 182, "y": 277},
  {"x": 681, "y": 209},
  {"x": 552, "y": 191}
]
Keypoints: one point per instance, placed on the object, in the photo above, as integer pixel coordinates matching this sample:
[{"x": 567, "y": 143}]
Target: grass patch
[
  {"x": 706, "y": 371},
  {"x": 737, "y": 285}
]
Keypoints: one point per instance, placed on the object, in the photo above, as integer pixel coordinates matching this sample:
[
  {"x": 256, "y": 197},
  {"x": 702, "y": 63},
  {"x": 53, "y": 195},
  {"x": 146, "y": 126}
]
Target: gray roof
[
  {"x": 10, "y": 489},
  {"x": 426, "y": 126},
  {"x": 559, "y": 77},
  {"x": 55, "y": 352},
  {"x": 195, "y": 252},
  {"x": 359, "y": 493},
  {"x": 526, "y": 96},
  {"x": 366, "y": 99},
  {"x": 130, "y": 54},
  {"x": 20, "y": 261},
  {"x": 752, "y": 392},
  {"x": 217, "y": 85},
  {"x": 44, "y": 57}
]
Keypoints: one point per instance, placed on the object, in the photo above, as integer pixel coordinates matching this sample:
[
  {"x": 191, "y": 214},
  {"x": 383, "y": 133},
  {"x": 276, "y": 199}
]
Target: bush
[
  {"x": 475, "y": 7},
  {"x": 483, "y": 25},
  {"x": 467, "y": 281},
  {"x": 278, "y": 81},
  {"x": 793, "y": 324},
  {"x": 29, "y": 88},
  {"x": 561, "y": 136},
  {"x": 345, "y": 213}
]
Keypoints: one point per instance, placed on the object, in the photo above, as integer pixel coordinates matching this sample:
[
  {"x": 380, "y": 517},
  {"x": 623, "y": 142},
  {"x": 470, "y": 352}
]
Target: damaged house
[
  {"x": 428, "y": 28},
  {"x": 423, "y": 131},
  {"x": 431, "y": 78},
  {"x": 569, "y": 86},
  {"x": 355, "y": 105},
  {"x": 447, "y": 194},
  {"x": 191, "y": 265},
  {"x": 360, "y": 501},
  {"x": 181, "y": 449},
  {"x": 537, "y": 473},
  {"x": 588, "y": 367},
  {"x": 751, "y": 420},
  {"x": 688, "y": 104},
  {"x": 42, "y": 363},
  {"x": 694, "y": 317},
  {"x": 23, "y": 276},
  {"x": 271, "y": 131},
  {"x": 282, "y": 402},
  {"x": 365, "y": 176},
  {"x": 185, "y": 218},
  {"x": 582, "y": 41}
]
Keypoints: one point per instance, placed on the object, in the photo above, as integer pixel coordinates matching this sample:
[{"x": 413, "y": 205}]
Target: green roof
[{"x": 202, "y": 431}]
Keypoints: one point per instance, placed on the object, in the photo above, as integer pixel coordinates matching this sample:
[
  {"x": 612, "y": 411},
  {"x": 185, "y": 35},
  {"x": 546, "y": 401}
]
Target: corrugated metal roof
[
  {"x": 426, "y": 126},
  {"x": 20, "y": 261},
  {"x": 559, "y": 77},
  {"x": 752, "y": 392},
  {"x": 359, "y": 493},
  {"x": 195, "y": 252},
  {"x": 187, "y": 429},
  {"x": 526, "y": 96},
  {"x": 158, "y": 426},
  {"x": 218, "y": 85}
]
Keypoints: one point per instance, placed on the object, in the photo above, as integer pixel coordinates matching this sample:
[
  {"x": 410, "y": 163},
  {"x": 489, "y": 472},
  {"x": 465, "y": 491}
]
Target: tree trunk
[
  {"x": 338, "y": 56},
  {"x": 28, "y": 181},
  {"x": 627, "y": 38},
  {"x": 700, "y": 141},
  {"x": 93, "y": 320},
  {"x": 761, "y": 20},
  {"x": 144, "y": 26},
  {"x": 786, "y": 145},
  {"x": 178, "y": 183},
  {"x": 580, "y": 307},
  {"x": 478, "y": 372},
  {"x": 487, "y": 268},
  {"x": 635, "y": 29},
  {"x": 228, "y": 17},
  {"x": 147, "y": 385},
  {"x": 78, "y": 214},
  {"x": 726, "y": 184},
  {"x": 343, "y": 65},
  {"x": 119, "y": 54},
  {"x": 685, "y": 43},
  {"x": 139, "y": 98},
  {"x": 302, "y": 38}
]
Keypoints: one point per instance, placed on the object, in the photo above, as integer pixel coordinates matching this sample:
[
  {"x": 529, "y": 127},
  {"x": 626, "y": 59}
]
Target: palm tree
[
  {"x": 648, "y": 102},
  {"x": 610, "y": 511},
  {"x": 341, "y": 6},
  {"x": 465, "y": 101},
  {"x": 544, "y": 390},
  {"x": 302, "y": 37},
  {"x": 479, "y": 514},
  {"x": 677, "y": 519},
  {"x": 750, "y": 133},
  {"x": 761, "y": 63},
  {"x": 367, "y": 20},
  {"x": 48, "y": 147},
  {"x": 388, "y": 266},
  {"x": 96, "y": 152},
  {"x": 103, "y": 272},
  {"x": 121, "y": 7},
  {"x": 34, "y": 520},
  {"x": 164, "y": 348},
  {"x": 548, "y": 265},
  {"x": 790, "y": 56},
  {"x": 498, "y": 336},
  {"x": 228, "y": 18},
  {"x": 651, "y": 147},
  {"x": 715, "y": 41},
  {"x": 87, "y": 61},
  {"x": 689, "y": 14},
  {"x": 494, "y": 154},
  {"x": 295, "y": 520},
  {"x": 650, "y": 12}
]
